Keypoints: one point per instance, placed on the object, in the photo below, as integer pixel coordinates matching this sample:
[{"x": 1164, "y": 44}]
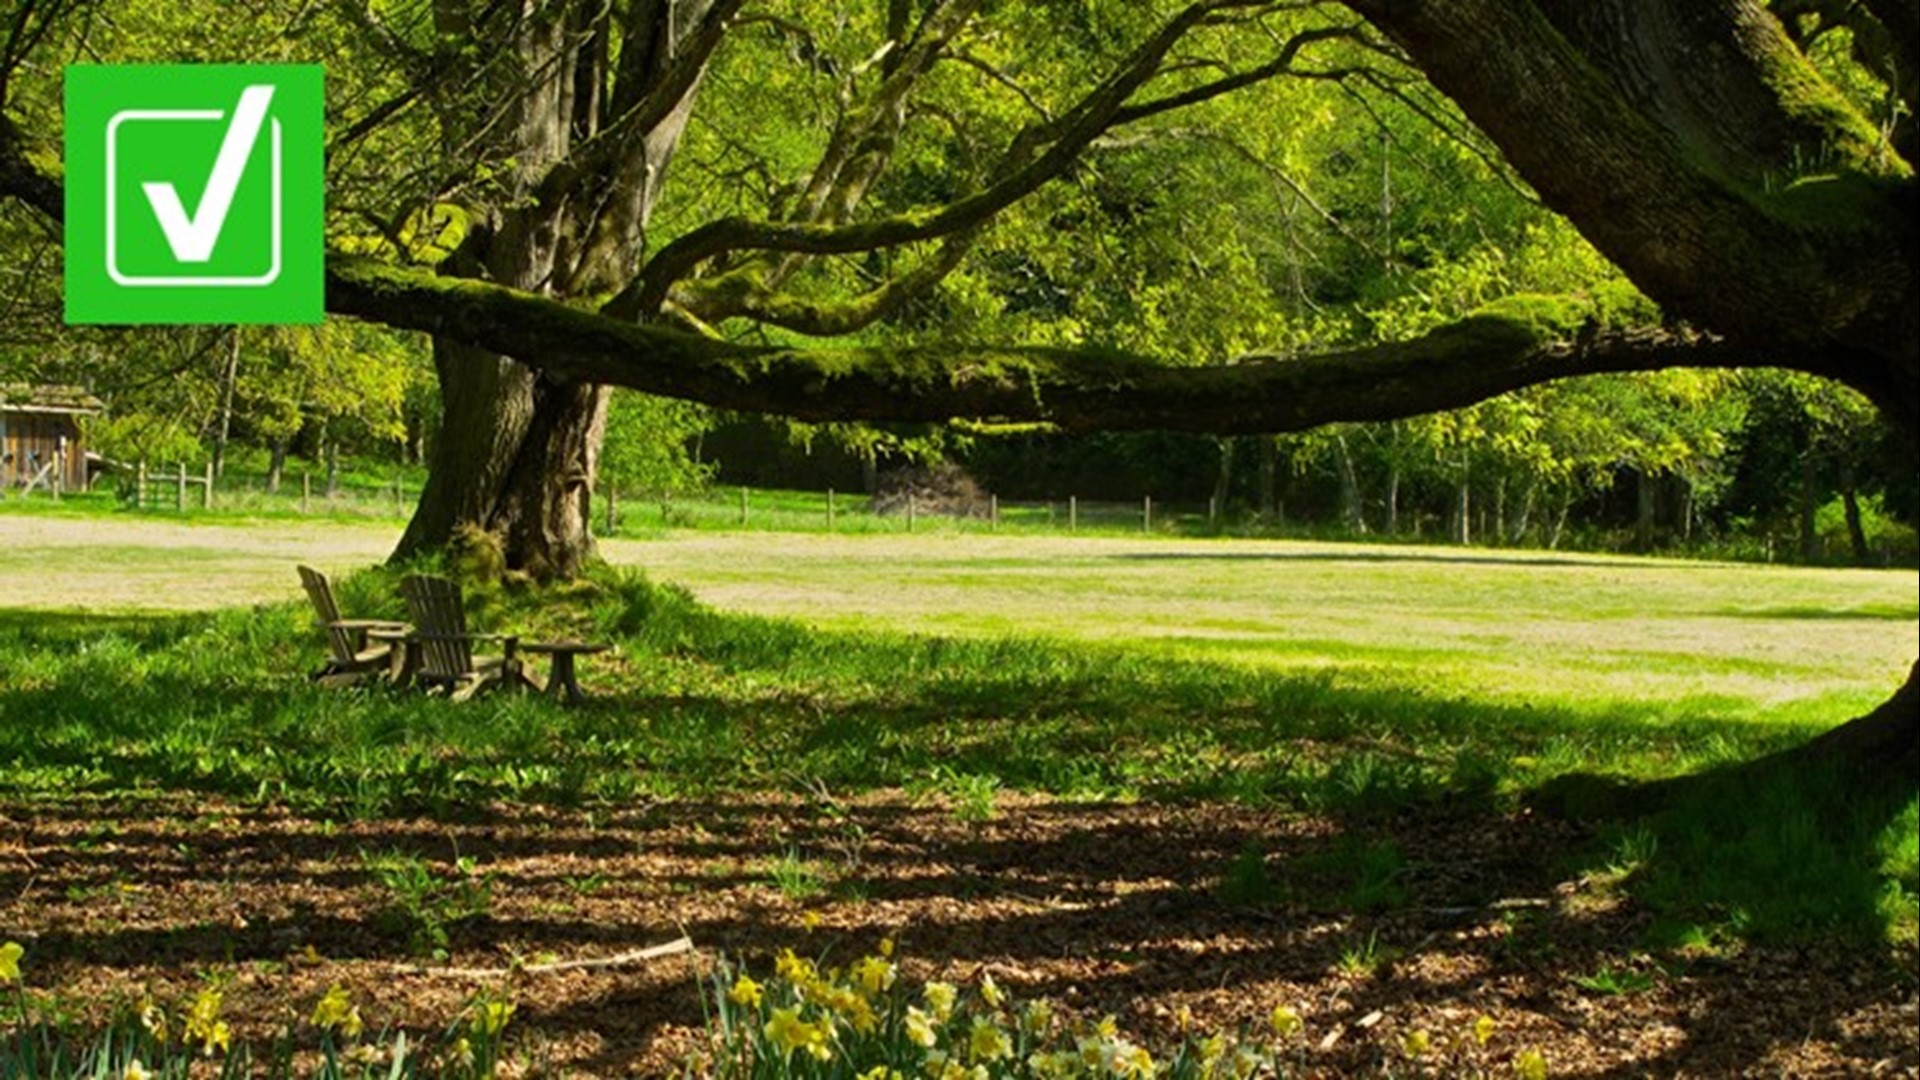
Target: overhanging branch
[{"x": 1509, "y": 346}]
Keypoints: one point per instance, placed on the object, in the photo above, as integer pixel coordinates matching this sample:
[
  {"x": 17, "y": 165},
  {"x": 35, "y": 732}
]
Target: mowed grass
[
  {"x": 1346, "y": 681},
  {"x": 1673, "y": 641}
]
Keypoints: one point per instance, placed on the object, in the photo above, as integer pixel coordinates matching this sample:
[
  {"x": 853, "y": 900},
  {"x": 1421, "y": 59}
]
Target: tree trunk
[
  {"x": 228, "y": 377},
  {"x": 1350, "y": 489},
  {"x": 1463, "y": 505},
  {"x": 276, "y": 463},
  {"x": 333, "y": 467},
  {"x": 1560, "y": 518},
  {"x": 1223, "y": 477},
  {"x": 1499, "y": 530},
  {"x": 1882, "y": 747},
  {"x": 1850, "y": 499},
  {"x": 1524, "y": 520},
  {"x": 1269, "y": 465},
  {"x": 1806, "y": 506},
  {"x": 1643, "y": 496},
  {"x": 518, "y": 452},
  {"x": 1393, "y": 499}
]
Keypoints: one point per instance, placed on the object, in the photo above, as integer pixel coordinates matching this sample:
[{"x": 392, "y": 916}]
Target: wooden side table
[
  {"x": 562, "y": 685},
  {"x": 406, "y": 651}
]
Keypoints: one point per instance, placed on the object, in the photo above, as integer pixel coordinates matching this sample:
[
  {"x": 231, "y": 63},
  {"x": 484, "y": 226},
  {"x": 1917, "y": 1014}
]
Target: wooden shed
[{"x": 40, "y": 436}]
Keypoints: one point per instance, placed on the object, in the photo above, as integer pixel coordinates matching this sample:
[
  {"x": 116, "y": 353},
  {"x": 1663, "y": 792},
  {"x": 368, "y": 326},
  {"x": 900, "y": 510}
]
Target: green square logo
[{"x": 195, "y": 193}]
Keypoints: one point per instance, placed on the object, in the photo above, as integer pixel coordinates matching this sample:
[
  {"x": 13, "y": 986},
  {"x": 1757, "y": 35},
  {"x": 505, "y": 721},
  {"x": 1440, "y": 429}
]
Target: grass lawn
[{"x": 1132, "y": 774}]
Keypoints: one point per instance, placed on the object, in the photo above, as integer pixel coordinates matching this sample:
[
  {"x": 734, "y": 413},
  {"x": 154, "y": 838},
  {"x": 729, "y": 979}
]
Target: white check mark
[{"x": 192, "y": 238}]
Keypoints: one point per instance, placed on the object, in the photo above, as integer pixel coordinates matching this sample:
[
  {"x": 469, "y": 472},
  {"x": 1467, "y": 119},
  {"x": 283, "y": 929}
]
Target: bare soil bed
[{"x": 1103, "y": 908}]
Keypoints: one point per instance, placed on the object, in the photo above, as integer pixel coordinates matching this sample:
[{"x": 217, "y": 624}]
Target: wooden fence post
[
  {"x": 180, "y": 487},
  {"x": 1146, "y": 515},
  {"x": 909, "y": 511},
  {"x": 140, "y": 485},
  {"x": 993, "y": 512},
  {"x": 206, "y": 491},
  {"x": 829, "y": 509},
  {"x": 1073, "y": 513},
  {"x": 306, "y": 491},
  {"x": 743, "y": 507}
]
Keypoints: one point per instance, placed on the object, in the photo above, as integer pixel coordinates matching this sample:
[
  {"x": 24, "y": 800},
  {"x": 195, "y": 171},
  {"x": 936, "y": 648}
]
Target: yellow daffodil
[
  {"x": 154, "y": 1019},
  {"x": 490, "y": 1018},
  {"x": 10, "y": 955},
  {"x": 461, "y": 1053},
  {"x": 886, "y": 947},
  {"x": 991, "y": 993},
  {"x": 1038, "y": 1017},
  {"x": 792, "y": 968},
  {"x": 1483, "y": 1029},
  {"x": 746, "y": 993},
  {"x": 881, "y": 1072},
  {"x": 1247, "y": 1062},
  {"x": 874, "y": 975},
  {"x": 1530, "y": 1064},
  {"x": 337, "y": 1012},
  {"x": 135, "y": 1071},
  {"x": 986, "y": 1042},
  {"x": 860, "y": 1015},
  {"x": 1212, "y": 1049},
  {"x": 1285, "y": 1022},
  {"x": 1416, "y": 1043},
  {"x": 1131, "y": 1060},
  {"x": 219, "y": 1037},
  {"x": 947, "y": 1069},
  {"x": 786, "y": 1030},
  {"x": 919, "y": 1027},
  {"x": 811, "y": 921},
  {"x": 204, "y": 1024},
  {"x": 1183, "y": 1019},
  {"x": 940, "y": 998},
  {"x": 1107, "y": 1028},
  {"x": 1058, "y": 1065}
]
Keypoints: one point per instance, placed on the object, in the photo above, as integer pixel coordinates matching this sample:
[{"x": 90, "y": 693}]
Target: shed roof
[{"x": 24, "y": 397}]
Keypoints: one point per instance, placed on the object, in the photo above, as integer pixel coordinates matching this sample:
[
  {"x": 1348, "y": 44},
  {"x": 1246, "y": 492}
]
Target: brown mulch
[{"x": 1104, "y": 908}]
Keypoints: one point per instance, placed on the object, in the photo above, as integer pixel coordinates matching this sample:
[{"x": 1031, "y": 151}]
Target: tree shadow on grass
[
  {"x": 1371, "y": 813},
  {"x": 1109, "y": 907}
]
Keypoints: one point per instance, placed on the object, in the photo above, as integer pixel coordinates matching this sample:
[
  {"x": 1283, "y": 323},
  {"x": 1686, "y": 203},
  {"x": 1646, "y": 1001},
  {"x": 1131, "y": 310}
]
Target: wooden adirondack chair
[
  {"x": 445, "y": 658},
  {"x": 354, "y": 655}
]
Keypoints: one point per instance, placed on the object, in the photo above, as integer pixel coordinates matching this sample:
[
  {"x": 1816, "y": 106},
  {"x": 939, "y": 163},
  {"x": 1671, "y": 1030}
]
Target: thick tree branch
[
  {"x": 1506, "y": 347},
  {"x": 742, "y": 294},
  {"x": 1073, "y": 132},
  {"x": 19, "y": 179},
  {"x": 1694, "y": 146}
]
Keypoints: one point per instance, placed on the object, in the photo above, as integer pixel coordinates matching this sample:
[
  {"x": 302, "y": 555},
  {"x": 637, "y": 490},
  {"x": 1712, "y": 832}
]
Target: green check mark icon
[{"x": 193, "y": 238}]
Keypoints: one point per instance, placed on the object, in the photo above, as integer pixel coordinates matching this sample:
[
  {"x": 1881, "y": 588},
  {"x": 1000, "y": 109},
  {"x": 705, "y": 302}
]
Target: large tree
[{"x": 1693, "y": 142}]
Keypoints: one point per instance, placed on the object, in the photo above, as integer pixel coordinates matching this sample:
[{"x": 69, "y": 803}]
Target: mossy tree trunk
[
  {"x": 518, "y": 449},
  {"x": 1693, "y": 144}
]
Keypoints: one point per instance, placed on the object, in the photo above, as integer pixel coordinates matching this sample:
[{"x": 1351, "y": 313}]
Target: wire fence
[
  {"x": 181, "y": 488},
  {"x": 831, "y": 511}
]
